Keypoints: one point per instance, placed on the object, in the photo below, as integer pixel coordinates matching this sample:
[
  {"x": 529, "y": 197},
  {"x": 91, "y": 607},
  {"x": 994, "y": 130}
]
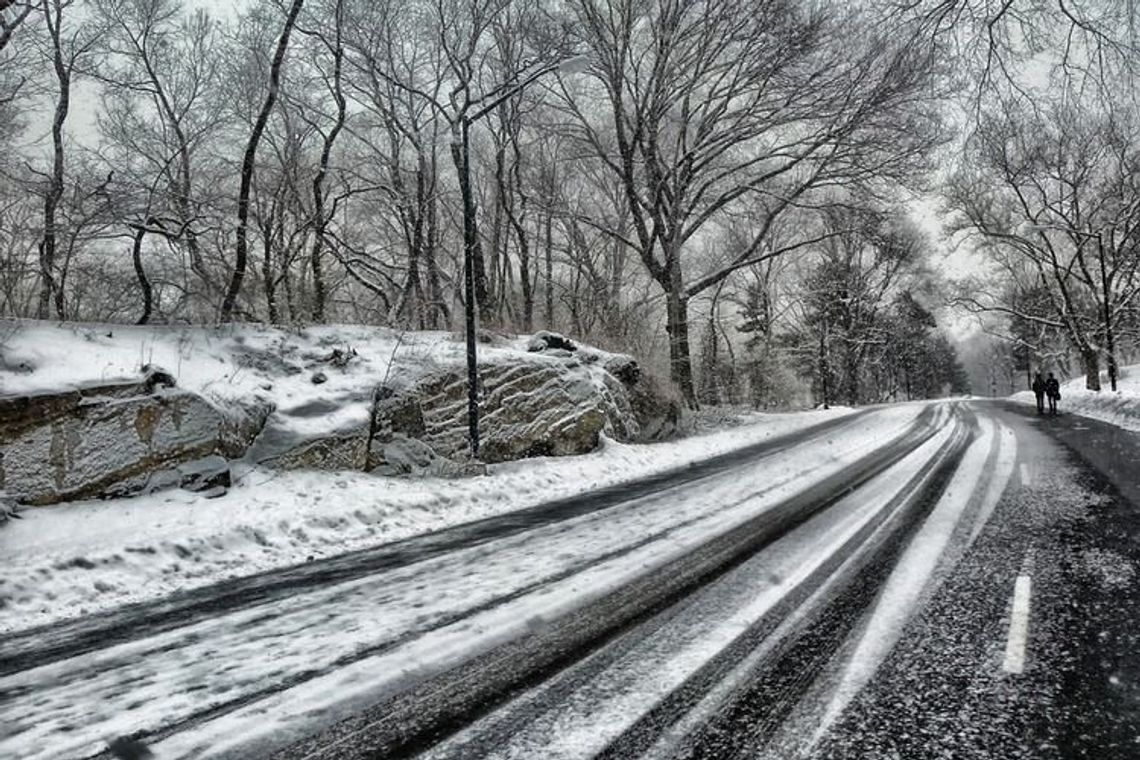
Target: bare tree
[
  {"x": 398, "y": 79},
  {"x": 1051, "y": 191},
  {"x": 712, "y": 104},
  {"x": 68, "y": 43},
  {"x": 475, "y": 88},
  {"x": 1000, "y": 45},
  {"x": 161, "y": 75},
  {"x": 327, "y": 59},
  {"x": 241, "y": 249},
  {"x": 13, "y": 13},
  {"x": 19, "y": 266}
]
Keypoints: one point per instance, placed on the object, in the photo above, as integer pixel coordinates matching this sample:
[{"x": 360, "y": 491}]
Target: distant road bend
[{"x": 766, "y": 603}]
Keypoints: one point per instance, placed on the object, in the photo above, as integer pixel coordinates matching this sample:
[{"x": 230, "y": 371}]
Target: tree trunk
[
  {"x": 241, "y": 251},
  {"x": 319, "y": 295},
  {"x": 527, "y": 285},
  {"x": 851, "y": 377},
  {"x": 548, "y": 250},
  {"x": 709, "y": 385},
  {"x": 140, "y": 273},
  {"x": 677, "y": 326},
  {"x": 291, "y": 310},
  {"x": 61, "y": 279},
  {"x": 496, "y": 286},
  {"x": 267, "y": 273},
  {"x": 439, "y": 315},
  {"x": 824, "y": 369},
  {"x": 55, "y": 189},
  {"x": 1090, "y": 362},
  {"x": 518, "y": 224}
]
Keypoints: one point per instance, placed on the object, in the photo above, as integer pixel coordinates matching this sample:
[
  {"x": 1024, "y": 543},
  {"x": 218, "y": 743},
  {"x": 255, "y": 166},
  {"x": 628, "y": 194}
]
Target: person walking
[
  {"x": 1038, "y": 387},
  {"x": 1053, "y": 391}
]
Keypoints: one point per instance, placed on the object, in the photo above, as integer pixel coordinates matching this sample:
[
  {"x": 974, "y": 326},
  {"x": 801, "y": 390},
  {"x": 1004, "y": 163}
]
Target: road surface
[{"x": 926, "y": 580}]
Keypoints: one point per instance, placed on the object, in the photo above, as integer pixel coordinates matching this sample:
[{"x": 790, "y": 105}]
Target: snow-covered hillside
[
  {"x": 81, "y": 421},
  {"x": 1120, "y": 407},
  {"x": 239, "y": 364}
]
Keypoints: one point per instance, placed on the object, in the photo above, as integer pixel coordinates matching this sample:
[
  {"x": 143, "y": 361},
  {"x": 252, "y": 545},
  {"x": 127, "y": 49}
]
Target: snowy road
[{"x": 751, "y": 606}]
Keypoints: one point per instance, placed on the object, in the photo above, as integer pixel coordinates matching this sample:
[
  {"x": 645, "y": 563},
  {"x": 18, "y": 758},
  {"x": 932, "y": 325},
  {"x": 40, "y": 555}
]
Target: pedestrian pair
[{"x": 1046, "y": 387}]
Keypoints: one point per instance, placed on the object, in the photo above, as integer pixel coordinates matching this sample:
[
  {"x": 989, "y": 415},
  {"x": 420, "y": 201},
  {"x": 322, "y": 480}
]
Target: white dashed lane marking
[
  {"x": 1018, "y": 626},
  {"x": 1024, "y": 474}
]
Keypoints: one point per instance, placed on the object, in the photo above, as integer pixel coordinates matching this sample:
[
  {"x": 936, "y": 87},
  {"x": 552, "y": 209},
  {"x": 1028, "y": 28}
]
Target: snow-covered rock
[
  {"x": 389, "y": 402},
  {"x": 545, "y": 340},
  {"x": 242, "y": 423},
  {"x": 527, "y": 408},
  {"x": 99, "y": 440},
  {"x": 199, "y": 475},
  {"x": 656, "y": 409},
  {"x": 401, "y": 455},
  {"x": 278, "y": 448}
]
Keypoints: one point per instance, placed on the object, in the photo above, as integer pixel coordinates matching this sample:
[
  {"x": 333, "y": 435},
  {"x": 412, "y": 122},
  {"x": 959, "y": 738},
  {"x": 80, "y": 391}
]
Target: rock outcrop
[
  {"x": 549, "y": 407},
  {"x": 544, "y": 340},
  {"x": 656, "y": 409},
  {"x": 340, "y": 451},
  {"x": 209, "y": 475},
  {"x": 99, "y": 440},
  {"x": 556, "y": 399},
  {"x": 241, "y": 425}
]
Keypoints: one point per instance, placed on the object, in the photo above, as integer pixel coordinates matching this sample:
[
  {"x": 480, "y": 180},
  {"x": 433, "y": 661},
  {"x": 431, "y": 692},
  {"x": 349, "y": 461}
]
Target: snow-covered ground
[
  {"x": 368, "y": 635},
  {"x": 82, "y": 557},
  {"x": 1120, "y": 407},
  {"x": 240, "y": 364}
]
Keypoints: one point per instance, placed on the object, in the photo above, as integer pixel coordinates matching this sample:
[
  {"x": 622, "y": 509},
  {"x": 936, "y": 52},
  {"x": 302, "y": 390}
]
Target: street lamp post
[
  {"x": 470, "y": 244},
  {"x": 461, "y": 156}
]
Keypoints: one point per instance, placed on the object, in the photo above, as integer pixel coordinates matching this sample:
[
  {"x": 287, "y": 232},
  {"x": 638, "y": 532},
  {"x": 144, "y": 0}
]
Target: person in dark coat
[
  {"x": 1039, "y": 391},
  {"x": 1053, "y": 391}
]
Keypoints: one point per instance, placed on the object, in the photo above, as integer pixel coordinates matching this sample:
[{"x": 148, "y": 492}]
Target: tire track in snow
[
  {"x": 294, "y": 673},
  {"x": 990, "y": 460},
  {"x": 449, "y": 701},
  {"x": 626, "y": 704},
  {"x": 39, "y": 646}
]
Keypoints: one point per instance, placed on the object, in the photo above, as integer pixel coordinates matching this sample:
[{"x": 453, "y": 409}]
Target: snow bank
[
  {"x": 79, "y": 558},
  {"x": 1120, "y": 407}
]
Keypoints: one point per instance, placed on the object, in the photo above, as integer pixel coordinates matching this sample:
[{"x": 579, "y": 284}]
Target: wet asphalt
[{"x": 1070, "y": 520}]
